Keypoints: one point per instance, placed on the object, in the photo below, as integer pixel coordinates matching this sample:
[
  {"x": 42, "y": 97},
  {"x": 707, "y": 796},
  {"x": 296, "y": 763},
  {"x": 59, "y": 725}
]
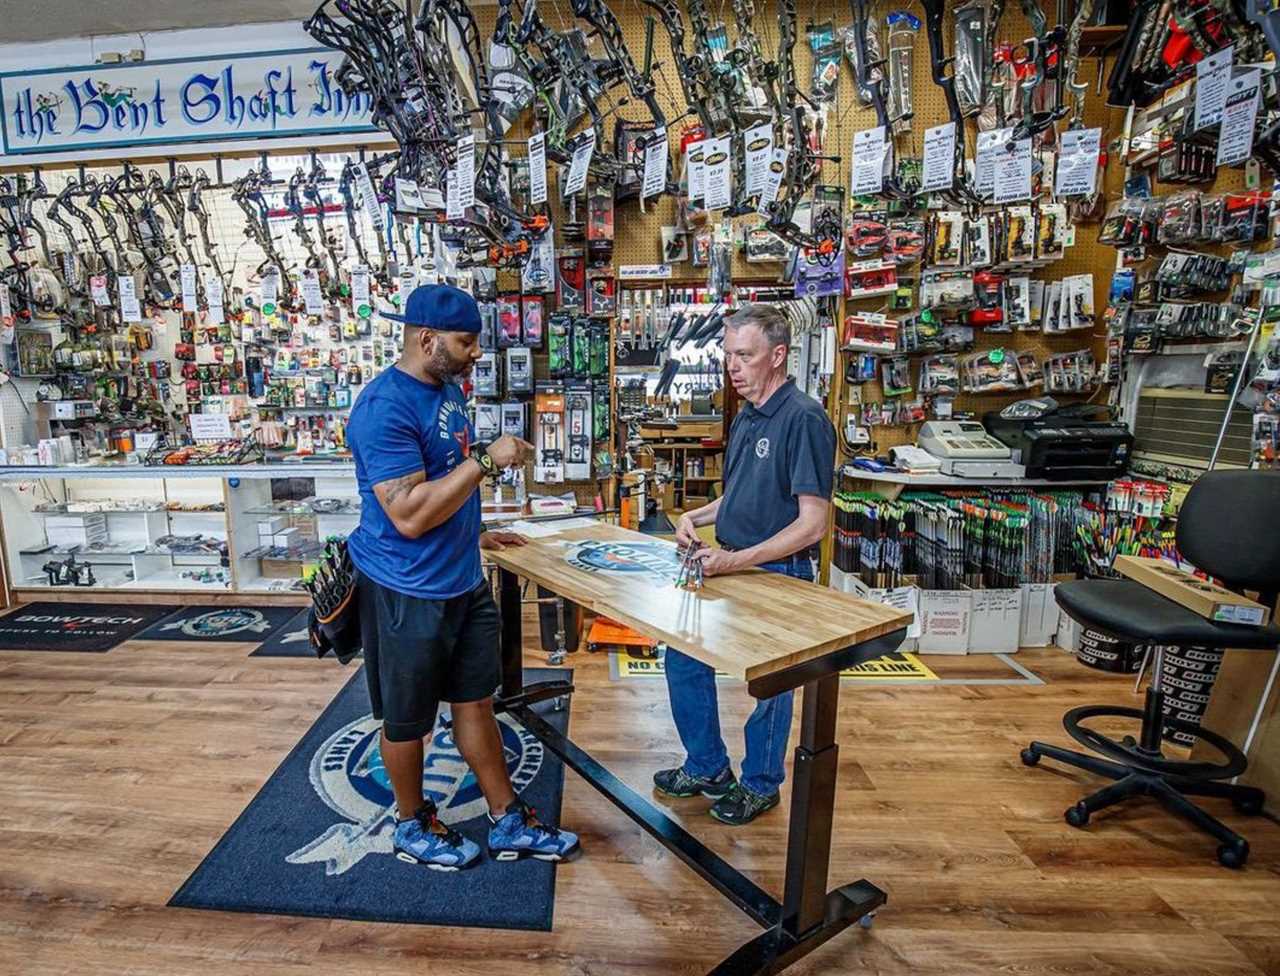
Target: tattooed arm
[{"x": 416, "y": 505}]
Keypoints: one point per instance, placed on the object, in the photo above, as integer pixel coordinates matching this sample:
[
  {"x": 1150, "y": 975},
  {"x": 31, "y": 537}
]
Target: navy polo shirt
[{"x": 782, "y": 449}]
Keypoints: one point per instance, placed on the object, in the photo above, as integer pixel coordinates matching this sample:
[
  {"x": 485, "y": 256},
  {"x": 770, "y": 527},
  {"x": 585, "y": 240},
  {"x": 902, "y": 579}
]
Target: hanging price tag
[
  {"x": 1212, "y": 74},
  {"x": 270, "y": 289},
  {"x": 719, "y": 181},
  {"x": 408, "y": 196},
  {"x": 869, "y": 155},
  {"x": 188, "y": 277},
  {"x": 939, "y": 157},
  {"x": 130, "y": 310},
  {"x": 69, "y": 269},
  {"x": 757, "y": 147},
  {"x": 984, "y": 173},
  {"x": 655, "y": 164},
  {"x": 1012, "y": 172},
  {"x": 408, "y": 282},
  {"x": 773, "y": 182},
  {"x": 311, "y": 296},
  {"x": 538, "y": 168},
  {"x": 467, "y": 172},
  {"x": 369, "y": 198},
  {"x": 452, "y": 199},
  {"x": 695, "y": 172},
  {"x": 1077, "y": 174},
  {"x": 577, "y": 178},
  {"x": 98, "y": 289},
  {"x": 1239, "y": 116},
  {"x": 360, "y": 303},
  {"x": 213, "y": 292},
  {"x": 6, "y": 308}
]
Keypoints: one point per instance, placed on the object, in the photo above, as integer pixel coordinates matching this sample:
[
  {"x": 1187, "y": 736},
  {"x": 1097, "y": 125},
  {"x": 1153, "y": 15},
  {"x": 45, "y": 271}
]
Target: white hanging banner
[
  {"x": 1012, "y": 172},
  {"x": 715, "y": 161},
  {"x": 187, "y": 274},
  {"x": 655, "y": 165},
  {"x": 577, "y": 178},
  {"x": 130, "y": 310},
  {"x": 466, "y": 172},
  {"x": 869, "y": 150},
  {"x": 939, "y": 157},
  {"x": 1212, "y": 74},
  {"x": 1077, "y": 172},
  {"x": 757, "y": 148},
  {"x": 311, "y": 296},
  {"x": 1239, "y": 116},
  {"x": 369, "y": 198},
  {"x": 772, "y": 185},
  {"x": 538, "y": 168}
]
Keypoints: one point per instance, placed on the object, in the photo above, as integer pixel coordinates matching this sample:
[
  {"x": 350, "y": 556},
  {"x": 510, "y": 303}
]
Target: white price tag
[
  {"x": 990, "y": 144},
  {"x": 210, "y": 426},
  {"x": 577, "y": 178},
  {"x": 188, "y": 277},
  {"x": 130, "y": 310},
  {"x": 869, "y": 156},
  {"x": 408, "y": 282},
  {"x": 655, "y": 165},
  {"x": 1077, "y": 173},
  {"x": 695, "y": 172},
  {"x": 369, "y": 198},
  {"x": 773, "y": 183},
  {"x": 757, "y": 148},
  {"x": 311, "y": 296},
  {"x": 270, "y": 288},
  {"x": 452, "y": 199},
  {"x": 467, "y": 172},
  {"x": 408, "y": 196},
  {"x": 1012, "y": 177},
  {"x": 98, "y": 289},
  {"x": 69, "y": 269},
  {"x": 213, "y": 292},
  {"x": 1239, "y": 116},
  {"x": 361, "y": 306},
  {"x": 6, "y": 307},
  {"x": 715, "y": 162},
  {"x": 939, "y": 157},
  {"x": 1212, "y": 74},
  {"x": 538, "y": 168}
]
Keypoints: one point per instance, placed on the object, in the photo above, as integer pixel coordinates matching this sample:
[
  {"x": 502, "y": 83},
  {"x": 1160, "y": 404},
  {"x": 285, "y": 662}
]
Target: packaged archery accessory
[
  {"x": 993, "y": 371},
  {"x": 675, "y": 245},
  {"x": 559, "y": 349},
  {"x": 548, "y": 464},
  {"x": 1017, "y": 302},
  {"x": 825, "y": 51},
  {"x": 601, "y": 295},
  {"x": 904, "y": 242},
  {"x": 519, "y": 370},
  {"x": 720, "y": 259},
  {"x": 599, "y": 350},
  {"x": 869, "y": 332},
  {"x": 531, "y": 321},
  {"x": 895, "y": 375},
  {"x": 939, "y": 376},
  {"x": 1179, "y": 221},
  {"x": 867, "y": 236},
  {"x": 1020, "y": 236},
  {"x": 488, "y": 422},
  {"x": 867, "y": 279},
  {"x": 571, "y": 282},
  {"x": 1029, "y": 372},
  {"x": 1051, "y": 231},
  {"x": 970, "y": 56},
  {"x": 988, "y": 309},
  {"x": 945, "y": 238},
  {"x": 600, "y": 224},
  {"x": 761, "y": 244},
  {"x": 508, "y": 318},
  {"x": 580, "y": 349},
  {"x": 513, "y": 419},
  {"x": 578, "y": 430},
  {"x": 946, "y": 289},
  {"x": 484, "y": 375},
  {"x": 977, "y": 242}
]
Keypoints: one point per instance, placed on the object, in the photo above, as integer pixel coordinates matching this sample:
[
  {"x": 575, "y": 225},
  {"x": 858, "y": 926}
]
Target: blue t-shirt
[{"x": 400, "y": 425}]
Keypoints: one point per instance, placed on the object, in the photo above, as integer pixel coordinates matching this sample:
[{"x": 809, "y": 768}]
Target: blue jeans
[{"x": 691, "y": 686}]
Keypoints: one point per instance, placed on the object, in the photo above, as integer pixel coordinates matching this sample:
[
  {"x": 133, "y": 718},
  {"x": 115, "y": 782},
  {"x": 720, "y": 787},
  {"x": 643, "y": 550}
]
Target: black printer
[{"x": 1079, "y": 441}]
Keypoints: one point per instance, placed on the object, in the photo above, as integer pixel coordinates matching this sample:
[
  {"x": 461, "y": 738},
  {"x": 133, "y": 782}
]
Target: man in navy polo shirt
[
  {"x": 778, "y": 471},
  {"x": 428, "y": 621}
]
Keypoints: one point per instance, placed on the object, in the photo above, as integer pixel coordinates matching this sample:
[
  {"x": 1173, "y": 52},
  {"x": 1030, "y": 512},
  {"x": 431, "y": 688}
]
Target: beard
[{"x": 448, "y": 369}]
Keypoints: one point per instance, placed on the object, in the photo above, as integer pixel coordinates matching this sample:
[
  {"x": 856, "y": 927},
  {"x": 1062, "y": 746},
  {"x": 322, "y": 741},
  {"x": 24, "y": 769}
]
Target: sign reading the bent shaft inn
[{"x": 207, "y": 99}]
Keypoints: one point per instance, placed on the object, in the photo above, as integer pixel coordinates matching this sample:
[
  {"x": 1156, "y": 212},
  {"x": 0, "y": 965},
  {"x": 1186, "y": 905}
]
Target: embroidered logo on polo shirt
[{"x": 762, "y": 448}]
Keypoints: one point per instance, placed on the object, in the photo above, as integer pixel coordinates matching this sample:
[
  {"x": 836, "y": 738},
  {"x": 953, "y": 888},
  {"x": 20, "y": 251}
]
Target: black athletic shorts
[{"x": 418, "y": 653}]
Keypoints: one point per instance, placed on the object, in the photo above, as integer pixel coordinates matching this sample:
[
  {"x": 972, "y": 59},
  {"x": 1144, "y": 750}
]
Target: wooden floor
[{"x": 122, "y": 770}]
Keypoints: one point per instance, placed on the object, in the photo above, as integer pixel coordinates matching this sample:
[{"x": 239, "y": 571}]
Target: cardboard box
[
  {"x": 996, "y": 621},
  {"x": 1207, "y": 599},
  {"x": 946, "y": 618},
  {"x": 1068, "y": 633},
  {"x": 905, "y": 598},
  {"x": 1039, "y": 615}
]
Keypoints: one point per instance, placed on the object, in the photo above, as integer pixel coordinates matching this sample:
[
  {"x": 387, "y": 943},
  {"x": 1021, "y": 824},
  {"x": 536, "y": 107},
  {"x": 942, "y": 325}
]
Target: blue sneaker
[
  {"x": 519, "y": 834},
  {"x": 423, "y": 839}
]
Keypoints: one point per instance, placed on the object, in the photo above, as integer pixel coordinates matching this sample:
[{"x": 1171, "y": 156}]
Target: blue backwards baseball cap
[{"x": 440, "y": 307}]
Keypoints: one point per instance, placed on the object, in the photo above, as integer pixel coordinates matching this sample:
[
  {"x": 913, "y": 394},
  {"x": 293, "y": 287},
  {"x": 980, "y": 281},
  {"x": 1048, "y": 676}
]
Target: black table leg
[
  {"x": 512, "y": 647},
  {"x": 810, "y": 914}
]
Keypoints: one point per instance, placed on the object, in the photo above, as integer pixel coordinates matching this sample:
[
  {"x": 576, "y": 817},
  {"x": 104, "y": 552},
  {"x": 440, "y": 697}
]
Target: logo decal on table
[
  {"x": 348, "y": 774},
  {"x": 657, "y": 559}
]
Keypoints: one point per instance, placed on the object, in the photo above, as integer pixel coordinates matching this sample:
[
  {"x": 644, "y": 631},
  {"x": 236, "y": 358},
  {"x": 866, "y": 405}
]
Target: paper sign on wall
[
  {"x": 869, "y": 155},
  {"x": 939, "y": 157},
  {"x": 1239, "y": 116},
  {"x": 1077, "y": 174},
  {"x": 1012, "y": 172},
  {"x": 213, "y": 293},
  {"x": 210, "y": 426},
  {"x": 187, "y": 274},
  {"x": 311, "y": 293},
  {"x": 538, "y": 168},
  {"x": 655, "y": 164},
  {"x": 130, "y": 310},
  {"x": 715, "y": 161}
]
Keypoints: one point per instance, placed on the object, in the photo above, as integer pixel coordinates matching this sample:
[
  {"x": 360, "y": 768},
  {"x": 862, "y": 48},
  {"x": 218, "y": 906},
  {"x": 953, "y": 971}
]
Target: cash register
[
  {"x": 1079, "y": 441},
  {"x": 966, "y": 450}
]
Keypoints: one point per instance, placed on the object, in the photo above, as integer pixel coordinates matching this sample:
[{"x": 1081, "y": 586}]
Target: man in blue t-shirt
[
  {"x": 778, "y": 470},
  {"x": 428, "y": 622}
]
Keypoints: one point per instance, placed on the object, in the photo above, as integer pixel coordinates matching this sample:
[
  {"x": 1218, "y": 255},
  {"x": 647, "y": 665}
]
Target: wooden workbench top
[{"x": 747, "y": 624}]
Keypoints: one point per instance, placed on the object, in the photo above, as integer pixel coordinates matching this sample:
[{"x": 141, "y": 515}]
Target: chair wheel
[
  {"x": 1233, "y": 855},
  {"x": 1129, "y": 741},
  {"x": 1078, "y": 815},
  {"x": 867, "y": 920},
  {"x": 1247, "y": 808},
  {"x": 1030, "y": 757}
]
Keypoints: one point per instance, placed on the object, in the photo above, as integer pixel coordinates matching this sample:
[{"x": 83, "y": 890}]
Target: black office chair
[{"x": 1229, "y": 526}]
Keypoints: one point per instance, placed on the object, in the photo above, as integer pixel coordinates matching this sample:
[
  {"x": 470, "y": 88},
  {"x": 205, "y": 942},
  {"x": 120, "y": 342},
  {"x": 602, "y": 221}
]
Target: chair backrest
[{"x": 1229, "y": 526}]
